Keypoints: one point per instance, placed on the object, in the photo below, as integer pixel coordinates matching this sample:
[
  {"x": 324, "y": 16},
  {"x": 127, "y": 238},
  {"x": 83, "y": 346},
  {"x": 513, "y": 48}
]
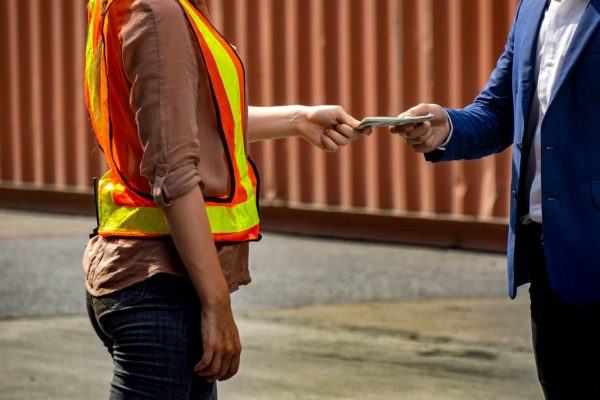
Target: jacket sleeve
[
  {"x": 486, "y": 126},
  {"x": 161, "y": 65}
]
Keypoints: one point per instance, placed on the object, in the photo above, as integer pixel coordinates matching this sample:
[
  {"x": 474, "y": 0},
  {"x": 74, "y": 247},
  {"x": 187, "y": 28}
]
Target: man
[{"x": 543, "y": 97}]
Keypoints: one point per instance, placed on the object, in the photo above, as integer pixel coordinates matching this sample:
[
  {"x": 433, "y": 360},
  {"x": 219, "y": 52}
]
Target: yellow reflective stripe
[
  {"x": 231, "y": 83},
  {"x": 238, "y": 218},
  {"x": 150, "y": 220},
  {"x": 123, "y": 219},
  {"x": 223, "y": 218}
]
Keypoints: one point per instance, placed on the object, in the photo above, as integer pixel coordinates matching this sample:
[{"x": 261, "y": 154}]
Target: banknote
[{"x": 377, "y": 122}]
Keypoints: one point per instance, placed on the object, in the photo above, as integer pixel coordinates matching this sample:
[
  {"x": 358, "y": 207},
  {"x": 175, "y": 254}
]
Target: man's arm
[
  {"x": 484, "y": 127},
  {"x": 327, "y": 127}
]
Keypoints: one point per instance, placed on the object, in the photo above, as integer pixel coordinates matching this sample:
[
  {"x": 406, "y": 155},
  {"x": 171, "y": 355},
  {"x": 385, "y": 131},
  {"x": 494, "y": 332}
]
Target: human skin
[
  {"x": 428, "y": 136},
  {"x": 328, "y": 128}
]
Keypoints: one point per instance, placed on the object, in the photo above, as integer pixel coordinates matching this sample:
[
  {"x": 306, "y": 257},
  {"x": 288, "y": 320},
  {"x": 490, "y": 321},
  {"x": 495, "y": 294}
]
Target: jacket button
[
  {"x": 162, "y": 173},
  {"x": 514, "y": 196},
  {"x": 549, "y": 147}
]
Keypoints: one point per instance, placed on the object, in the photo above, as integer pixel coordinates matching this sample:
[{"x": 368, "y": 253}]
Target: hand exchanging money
[
  {"x": 330, "y": 127},
  {"x": 327, "y": 127},
  {"x": 429, "y": 135}
]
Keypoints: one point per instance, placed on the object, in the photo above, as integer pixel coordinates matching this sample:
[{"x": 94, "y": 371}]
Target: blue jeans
[{"x": 152, "y": 332}]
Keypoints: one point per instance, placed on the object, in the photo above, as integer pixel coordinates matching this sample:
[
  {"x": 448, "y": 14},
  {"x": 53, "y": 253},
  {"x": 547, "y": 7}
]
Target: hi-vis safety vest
[{"x": 124, "y": 209}]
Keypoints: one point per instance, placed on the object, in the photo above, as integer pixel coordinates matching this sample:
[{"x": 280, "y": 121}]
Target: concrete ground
[{"x": 323, "y": 319}]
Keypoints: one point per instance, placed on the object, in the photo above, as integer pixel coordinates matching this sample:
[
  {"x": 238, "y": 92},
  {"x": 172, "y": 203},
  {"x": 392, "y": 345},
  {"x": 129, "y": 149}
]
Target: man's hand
[
  {"x": 429, "y": 135},
  {"x": 329, "y": 127},
  {"x": 220, "y": 342}
]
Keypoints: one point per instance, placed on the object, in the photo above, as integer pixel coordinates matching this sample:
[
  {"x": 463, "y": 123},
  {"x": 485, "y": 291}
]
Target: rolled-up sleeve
[{"x": 161, "y": 64}]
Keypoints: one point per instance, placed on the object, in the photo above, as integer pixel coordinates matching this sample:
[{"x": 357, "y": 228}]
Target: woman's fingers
[
  {"x": 348, "y": 131},
  {"x": 340, "y": 136},
  {"x": 234, "y": 365},
  {"x": 345, "y": 118},
  {"x": 328, "y": 143},
  {"x": 366, "y": 131},
  {"x": 205, "y": 362},
  {"x": 349, "y": 121},
  {"x": 213, "y": 369},
  {"x": 225, "y": 363},
  {"x": 337, "y": 137}
]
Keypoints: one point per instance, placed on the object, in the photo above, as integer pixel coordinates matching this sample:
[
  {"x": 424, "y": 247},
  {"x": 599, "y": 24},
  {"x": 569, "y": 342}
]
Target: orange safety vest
[{"x": 125, "y": 207}]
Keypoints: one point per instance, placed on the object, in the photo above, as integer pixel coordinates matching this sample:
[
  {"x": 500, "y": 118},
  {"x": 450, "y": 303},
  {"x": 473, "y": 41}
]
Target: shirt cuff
[
  {"x": 443, "y": 145},
  {"x": 169, "y": 184}
]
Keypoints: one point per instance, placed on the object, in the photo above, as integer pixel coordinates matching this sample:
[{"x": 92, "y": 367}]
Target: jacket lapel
[
  {"x": 587, "y": 26},
  {"x": 532, "y": 13}
]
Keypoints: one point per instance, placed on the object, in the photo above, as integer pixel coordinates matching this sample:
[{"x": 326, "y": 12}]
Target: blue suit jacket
[{"x": 570, "y": 140}]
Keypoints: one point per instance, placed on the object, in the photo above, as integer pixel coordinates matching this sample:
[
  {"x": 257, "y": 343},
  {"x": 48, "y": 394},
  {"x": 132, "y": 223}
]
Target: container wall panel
[{"x": 374, "y": 57}]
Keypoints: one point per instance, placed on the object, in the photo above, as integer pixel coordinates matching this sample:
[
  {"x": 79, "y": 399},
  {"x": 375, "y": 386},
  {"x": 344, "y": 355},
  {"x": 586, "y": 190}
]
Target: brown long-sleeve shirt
[{"x": 177, "y": 127}]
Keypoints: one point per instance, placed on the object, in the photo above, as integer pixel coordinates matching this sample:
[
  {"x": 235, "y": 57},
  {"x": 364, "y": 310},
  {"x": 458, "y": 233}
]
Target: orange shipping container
[{"x": 374, "y": 57}]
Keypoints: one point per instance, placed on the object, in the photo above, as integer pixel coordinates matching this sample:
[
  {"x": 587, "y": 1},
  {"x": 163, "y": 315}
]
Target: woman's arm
[
  {"x": 327, "y": 127},
  {"x": 164, "y": 99},
  {"x": 191, "y": 234}
]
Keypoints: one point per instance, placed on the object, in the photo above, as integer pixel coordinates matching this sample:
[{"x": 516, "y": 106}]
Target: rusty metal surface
[{"x": 374, "y": 57}]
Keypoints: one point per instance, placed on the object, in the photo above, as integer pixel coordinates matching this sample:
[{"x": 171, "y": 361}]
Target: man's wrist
[{"x": 451, "y": 129}]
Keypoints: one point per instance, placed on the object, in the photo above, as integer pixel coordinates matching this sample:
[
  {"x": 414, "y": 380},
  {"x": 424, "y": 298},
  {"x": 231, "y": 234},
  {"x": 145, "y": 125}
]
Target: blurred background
[{"x": 370, "y": 316}]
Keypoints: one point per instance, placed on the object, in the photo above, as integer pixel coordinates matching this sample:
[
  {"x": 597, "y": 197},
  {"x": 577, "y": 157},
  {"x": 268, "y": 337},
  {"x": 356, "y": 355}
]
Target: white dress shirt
[{"x": 558, "y": 27}]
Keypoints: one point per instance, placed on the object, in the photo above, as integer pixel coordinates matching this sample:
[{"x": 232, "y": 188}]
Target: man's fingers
[
  {"x": 424, "y": 147},
  {"x": 420, "y": 139},
  {"x": 417, "y": 111},
  {"x": 402, "y": 129},
  {"x": 418, "y": 131},
  {"x": 329, "y": 144},
  {"x": 421, "y": 148}
]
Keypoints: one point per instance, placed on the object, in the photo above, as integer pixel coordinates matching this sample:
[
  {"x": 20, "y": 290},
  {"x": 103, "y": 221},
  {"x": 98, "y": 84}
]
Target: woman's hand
[
  {"x": 220, "y": 341},
  {"x": 329, "y": 127},
  {"x": 191, "y": 233}
]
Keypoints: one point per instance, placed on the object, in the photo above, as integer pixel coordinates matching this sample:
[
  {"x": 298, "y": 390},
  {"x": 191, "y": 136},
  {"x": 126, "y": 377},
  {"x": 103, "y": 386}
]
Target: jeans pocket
[{"x": 123, "y": 298}]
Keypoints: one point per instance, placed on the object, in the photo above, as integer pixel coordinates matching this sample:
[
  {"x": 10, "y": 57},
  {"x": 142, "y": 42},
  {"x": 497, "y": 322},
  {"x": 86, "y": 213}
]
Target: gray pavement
[
  {"x": 429, "y": 350},
  {"x": 40, "y": 269},
  {"x": 323, "y": 319}
]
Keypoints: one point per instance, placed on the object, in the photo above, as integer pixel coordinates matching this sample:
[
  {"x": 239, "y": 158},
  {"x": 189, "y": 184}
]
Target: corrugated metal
[
  {"x": 375, "y": 57},
  {"x": 44, "y": 134}
]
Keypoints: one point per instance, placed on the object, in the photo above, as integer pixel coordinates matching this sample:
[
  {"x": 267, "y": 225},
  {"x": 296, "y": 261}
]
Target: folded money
[{"x": 378, "y": 122}]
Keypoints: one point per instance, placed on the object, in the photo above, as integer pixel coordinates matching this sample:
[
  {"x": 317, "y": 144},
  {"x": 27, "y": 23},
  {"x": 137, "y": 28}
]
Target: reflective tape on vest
[{"x": 122, "y": 210}]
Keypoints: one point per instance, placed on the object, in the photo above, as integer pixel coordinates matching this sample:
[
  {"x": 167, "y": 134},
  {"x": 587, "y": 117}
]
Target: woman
[{"x": 177, "y": 208}]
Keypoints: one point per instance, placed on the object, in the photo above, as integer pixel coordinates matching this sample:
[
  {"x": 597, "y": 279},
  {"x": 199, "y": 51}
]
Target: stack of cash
[{"x": 378, "y": 122}]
